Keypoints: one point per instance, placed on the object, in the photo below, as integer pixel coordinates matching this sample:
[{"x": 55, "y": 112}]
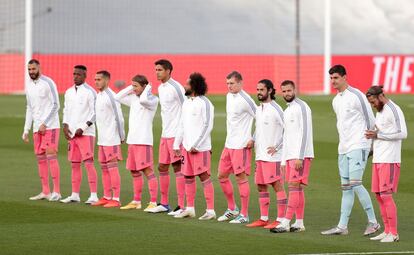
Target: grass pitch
[{"x": 41, "y": 227}]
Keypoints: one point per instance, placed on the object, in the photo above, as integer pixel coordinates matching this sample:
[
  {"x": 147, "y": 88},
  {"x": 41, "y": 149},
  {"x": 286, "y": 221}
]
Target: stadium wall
[{"x": 395, "y": 72}]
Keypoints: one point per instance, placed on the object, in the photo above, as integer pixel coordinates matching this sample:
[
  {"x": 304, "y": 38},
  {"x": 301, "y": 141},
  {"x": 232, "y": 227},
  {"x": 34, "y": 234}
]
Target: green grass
[{"x": 40, "y": 227}]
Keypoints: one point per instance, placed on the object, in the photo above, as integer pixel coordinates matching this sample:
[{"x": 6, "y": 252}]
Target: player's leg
[
  {"x": 75, "y": 158},
  {"x": 190, "y": 185},
  {"x": 106, "y": 178},
  {"x": 87, "y": 148},
  {"x": 281, "y": 201},
  {"x": 202, "y": 162},
  {"x": 224, "y": 171},
  {"x": 137, "y": 183},
  {"x": 164, "y": 161},
  {"x": 153, "y": 190},
  {"x": 179, "y": 186},
  {"x": 50, "y": 143},
  {"x": 264, "y": 201}
]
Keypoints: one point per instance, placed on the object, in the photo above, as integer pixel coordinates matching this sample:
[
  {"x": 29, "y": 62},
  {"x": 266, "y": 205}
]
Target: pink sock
[
  {"x": 43, "y": 173},
  {"x": 244, "y": 190},
  {"x": 152, "y": 187},
  {"x": 76, "y": 177},
  {"x": 264, "y": 201},
  {"x": 92, "y": 176},
  {"x": 190, "y": 191},
  {"x": 54, "y": 172},
  {"x": 180, "y": 186},
  {"x": 383, "y": 212},
  {"x": 106, "y": 181},
  {"x": 227, "y": 189},
  {"x": 300, "y": 211},
  {"x": 115, "y": 179},
  {"x": 137, "y": 182},
  {"x": 281, "y": 203},
  {"x": 391, "y": 209},
  {"x": 164, "y": 186},
  {"x": 293, "y": 202},
  {"x": 209, "y": 193}
]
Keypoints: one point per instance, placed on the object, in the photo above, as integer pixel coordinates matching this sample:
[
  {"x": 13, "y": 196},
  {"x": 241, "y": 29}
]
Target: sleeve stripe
[
  {"x": 93, "y": 119},
  {"x": 364, "y": 107},
  {"x": 305, "y": 127},
  {"x": 248, "y": 100},
  {"x": 280, "y": 112},
  {"x": 118, "y": 121},
  {"x": 207, "y": 118},
  {"x": 396, "y": 116},
  {"x": 177, "y": 89},
  {"x": 55, "y": 107}
]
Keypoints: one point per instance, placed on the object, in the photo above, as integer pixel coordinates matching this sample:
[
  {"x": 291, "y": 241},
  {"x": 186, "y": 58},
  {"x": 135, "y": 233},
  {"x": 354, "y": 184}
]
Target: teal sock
[
  {"x": 346, "y": 206},
  {"x": 366, "y": 202}
]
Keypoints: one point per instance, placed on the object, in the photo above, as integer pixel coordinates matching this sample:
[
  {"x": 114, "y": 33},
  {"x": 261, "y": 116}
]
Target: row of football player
[{"x": 282, "y": 141}]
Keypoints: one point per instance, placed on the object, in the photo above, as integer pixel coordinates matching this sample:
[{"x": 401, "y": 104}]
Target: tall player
[
  {"x": 354, "y": 115},
  {"x": 79, "y": 129},
  {"x": 296, "y": 156},
  {"x": 195, "y": 135},
  {"x": 236, "y": 156},
  {"x": 268, "y": 148},
  {"x": 143, "y": 105},
  {"x": 389, "y": 131},
  {"x": 42, "y": 114},
  {"x": 171, "y": 95},
  {"x": 110, "y": 125}
]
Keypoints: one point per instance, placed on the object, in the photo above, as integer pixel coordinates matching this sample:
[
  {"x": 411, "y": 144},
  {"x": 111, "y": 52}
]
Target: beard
[
  {"x": 262, "y": 98},
  {"x": 380, "y": 106},
  {"x": 289, "y": 99},
  {"x": 34, "y": 76},
  {"x": 188, "y": 92}
]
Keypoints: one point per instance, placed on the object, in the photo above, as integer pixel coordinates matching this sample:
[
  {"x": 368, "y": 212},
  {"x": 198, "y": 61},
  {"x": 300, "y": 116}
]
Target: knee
[
  {"x": 222, "y": 176},
  {"x": 262, "y": 188},
  {"x": 355, "y": 183},
  {"x": 51, "y": 151},
  {"x": 163, "y": 167},
  {"x": 241, "y": 177}
]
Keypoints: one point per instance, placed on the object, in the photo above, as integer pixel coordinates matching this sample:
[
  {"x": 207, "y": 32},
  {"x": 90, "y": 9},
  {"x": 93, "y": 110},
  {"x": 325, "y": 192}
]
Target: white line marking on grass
[{"x": 359, "y": 253}]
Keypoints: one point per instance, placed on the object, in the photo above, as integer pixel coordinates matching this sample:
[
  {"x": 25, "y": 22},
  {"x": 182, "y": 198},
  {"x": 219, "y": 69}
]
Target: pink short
[
  {"x": 195, "y": 163},
  {"x": 81, "y": 148},
  {"x": 166, "y": 152},
  {"x": 235, "y": 161},
  {"x": 139, "y": 157},
  {"x": 267, "y": 172},
  {"x": 301, "y": 175},
  {"x": 50, "y": 140},
  {"x": 385, "y": 177},
  {"x": 108, "y": 153}
]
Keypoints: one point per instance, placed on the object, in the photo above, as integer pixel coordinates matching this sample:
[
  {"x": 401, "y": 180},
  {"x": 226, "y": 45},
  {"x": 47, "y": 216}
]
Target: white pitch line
[{"x": 359, "y": 253}]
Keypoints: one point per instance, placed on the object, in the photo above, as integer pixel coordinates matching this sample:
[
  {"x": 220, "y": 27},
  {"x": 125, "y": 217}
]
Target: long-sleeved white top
[
  {"x": 171, "y": 95},
  {"x": 297, "y": 133},
  {"x": 109, "y": 119},
  {"x": 42, "y": 105},
  {"x": 354, "y": 115},
  {"x": 240, "y": 109},
  {"x": 141, "y": 114},
  {"x": 79, "y": 108},
  {"x": 195, "y": 125},
  {"x": 269, "y": 131},
  {"x": 392, "y": 129}
]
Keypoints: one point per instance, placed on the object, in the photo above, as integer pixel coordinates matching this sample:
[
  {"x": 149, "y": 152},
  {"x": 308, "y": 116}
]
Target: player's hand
[
  {"x": 79, "y": 132},
  {"x": 250, "y": 144},
  {"x": 42, "y": 129},
  {"x": 298, "y": 164},
  {"x": 67, "y": 132},
  {"x": 25, "y": 137},
  {"x": 193, "y": 150},
  {"x": 271, "y": 150},
  {"x": 123, "y": 141},
  {"x": 371, "y": 134},
  {"x": 177, "y": 153}
]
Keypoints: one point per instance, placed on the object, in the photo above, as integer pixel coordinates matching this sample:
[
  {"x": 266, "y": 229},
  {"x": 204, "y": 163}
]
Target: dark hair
[
  {"x": 339, "y": 69},
  {"x": 33, "y": 61},
  {"x": 269, "y": 85},
  {"x": 375, "y": 91},
  {"x": 105, "y": 74},
  {"x": 166, "y": 64},
  {"x": 141, "y": 79},
  {"x": 198, "y": 84},
  {"x": 287, "y": 82},
  {"x": 81, "y": 67},
  {"x": 236, "y": 75}
]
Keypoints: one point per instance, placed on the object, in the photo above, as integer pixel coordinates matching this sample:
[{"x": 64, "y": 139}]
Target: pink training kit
[
  {"x": 108, "y": 153},
  {"x": 196, "y": 163},
  {"x": 301, "y": 175},
  {"x": 49, "y": 140},
  {"x": 385, "y": 177},
  {"x": 235, "y": 161},
  {"x": 81, "y": 148},
  {"x": 166, "y": 152},
  {"x": 139, "y": 157},
  {"x": 267, "y": 172}
]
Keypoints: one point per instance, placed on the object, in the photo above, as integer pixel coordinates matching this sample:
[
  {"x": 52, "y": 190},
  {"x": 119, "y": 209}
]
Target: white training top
[
  {"x": 42, "y": 105},
  {"x": 297, "y": 135},
  {"x": 109, "y": 119},
  {"x": 240, "y": 109},
  {"x": 354, "y": 115},
  {"x": 391, "y": 127},
  {"x": 171, "y": 95},
  {"x": 79, "y": 108},
  {"x": 196, "y": 124},
  {"x": 141, "y": 114},
  {"x": 269, "y": 131}
]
